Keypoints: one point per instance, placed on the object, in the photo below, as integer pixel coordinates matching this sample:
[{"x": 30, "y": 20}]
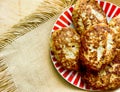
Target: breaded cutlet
[
  {"x": 87, "y": 13},
  {"x": 106, "y": 79},
  {"x": 65, "y": 45},
  {"x": 97, "y": 46},
  {"x": 115, "y": 26}
]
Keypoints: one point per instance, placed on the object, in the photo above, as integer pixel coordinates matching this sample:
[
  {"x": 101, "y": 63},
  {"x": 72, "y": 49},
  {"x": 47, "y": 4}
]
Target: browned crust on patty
[
  {"x": 106, "y": 79},
  {"x": 115, "y": 26},
  {"x": 97, "y": 47},
  {"x": 65, "y": 45},
  {"x": 87, "y": 13}
]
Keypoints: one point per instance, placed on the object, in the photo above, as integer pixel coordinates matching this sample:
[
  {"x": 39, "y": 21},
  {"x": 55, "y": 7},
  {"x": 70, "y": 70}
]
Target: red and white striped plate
[{"x": 65, "y": 20}]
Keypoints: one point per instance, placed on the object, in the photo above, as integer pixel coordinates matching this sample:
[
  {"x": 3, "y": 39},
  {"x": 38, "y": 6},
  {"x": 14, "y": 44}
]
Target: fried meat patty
[
  {"x": 107, "y": 78},
  {"x": 87, "y": 13},
  {"x": 65, "y": 45},
  {"x": 97, "y": 46},
  {"x": 115, "y": 26}
]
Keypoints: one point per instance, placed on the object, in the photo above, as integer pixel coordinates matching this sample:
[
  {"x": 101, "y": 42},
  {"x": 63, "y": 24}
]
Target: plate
[{"x": 65, "y": 20}]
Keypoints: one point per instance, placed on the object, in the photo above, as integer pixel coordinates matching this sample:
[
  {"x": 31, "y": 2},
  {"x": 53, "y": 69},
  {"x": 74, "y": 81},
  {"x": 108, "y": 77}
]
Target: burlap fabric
[{"x": 25, "y": 64}]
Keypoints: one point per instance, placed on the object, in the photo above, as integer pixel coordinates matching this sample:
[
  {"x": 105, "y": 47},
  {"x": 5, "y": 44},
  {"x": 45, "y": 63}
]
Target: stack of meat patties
[{"x": 92, "y": 48}]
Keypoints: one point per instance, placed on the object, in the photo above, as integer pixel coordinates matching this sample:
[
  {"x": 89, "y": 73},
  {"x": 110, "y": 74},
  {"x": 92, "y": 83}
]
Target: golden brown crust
[
  {"x": 65, "y": 46},
  {"x": 107, "y": 78},
  {"x": 87, "y": 13},
  {"x": 97, "y": 46},
  {"x": 115, "y": 26}
]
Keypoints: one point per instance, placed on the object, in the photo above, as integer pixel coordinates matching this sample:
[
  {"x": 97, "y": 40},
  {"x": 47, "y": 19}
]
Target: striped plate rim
[{"x": 65, "y": 20}]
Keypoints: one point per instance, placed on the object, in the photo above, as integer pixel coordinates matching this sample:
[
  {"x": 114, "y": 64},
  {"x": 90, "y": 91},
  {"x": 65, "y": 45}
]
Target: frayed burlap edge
[
  {"x": 46, "y": 10},
  {"x": 6, "y": 82}
]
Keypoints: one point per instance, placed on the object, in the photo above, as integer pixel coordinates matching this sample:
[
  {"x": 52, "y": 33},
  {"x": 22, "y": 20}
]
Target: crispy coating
[
  {"x": 115, "y": 26},
  {"x": 87, "y": 13},
  {"x": 97, "y": 46},
  {"x": 65, "y": 45},
  {"x": 107, "y": 78}
]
